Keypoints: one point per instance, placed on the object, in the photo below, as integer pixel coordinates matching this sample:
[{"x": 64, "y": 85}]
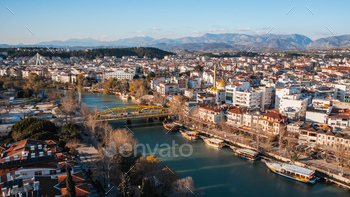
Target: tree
[
  {"x": 69, "y": 132},
  {"x": 166, "y": 179},
  {"x": 124, "y": 186},
  {"x": 92, "y": 122},
  {"x": 69, "y": 105},
  {"x": 158, "y": 98},
  {"x": 150, "y": 76},
  {"x": 84, "y": 113},
  {"x": 198, "y": 68},
  {"x": 70, "y": 184},
  {"x": 177, "y": 106},
  {"x": 148, "y": 189},
  {"x": 292, "y": 149},
  {"x": 109, "y": 85},
  {"x": 72, "y": 145},
  {"x": 34, "y": 83},
  {"x": 183, "y": 187},
  {"x": 80, "y": 79},
  {"x": 139, "y": 87},
  {"x": 53, "y": 96},
  {"x": 145, "y": 167},
  {"x": 35, "y": 129}
]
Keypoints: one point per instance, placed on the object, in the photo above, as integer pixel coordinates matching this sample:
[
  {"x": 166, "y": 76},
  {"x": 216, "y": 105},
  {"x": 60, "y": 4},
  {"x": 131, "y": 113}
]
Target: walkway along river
[{"x": 215, "y": 172}]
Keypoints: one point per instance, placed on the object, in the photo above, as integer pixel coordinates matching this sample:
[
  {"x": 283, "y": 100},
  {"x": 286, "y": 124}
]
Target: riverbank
[
  {"x": 327, "y": 171},
  {"x": 215, "y": 172}
]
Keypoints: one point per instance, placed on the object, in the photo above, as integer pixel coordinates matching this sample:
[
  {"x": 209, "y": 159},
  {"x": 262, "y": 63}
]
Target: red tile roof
[
  {"x": 81, "y": 190},
  {"x": 77, "y": 177}
]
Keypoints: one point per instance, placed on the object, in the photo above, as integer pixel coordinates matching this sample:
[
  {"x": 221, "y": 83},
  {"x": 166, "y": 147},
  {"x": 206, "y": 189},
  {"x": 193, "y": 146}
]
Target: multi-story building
[
  {"x": 168, "y": 88},
  {"x": 295, "y": 101},
  {"x": 126, "y": 73},
  {"x": 272, "y": 123},
  {"x": 211, "y": 112}
]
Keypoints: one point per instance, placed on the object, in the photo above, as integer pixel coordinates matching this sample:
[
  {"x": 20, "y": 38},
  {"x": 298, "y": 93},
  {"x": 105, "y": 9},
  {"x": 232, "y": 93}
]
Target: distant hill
[
  {"x": 140, "y": 52},
  {"x": 207, "y": 42},
  {"x": 330, "y": 42}
]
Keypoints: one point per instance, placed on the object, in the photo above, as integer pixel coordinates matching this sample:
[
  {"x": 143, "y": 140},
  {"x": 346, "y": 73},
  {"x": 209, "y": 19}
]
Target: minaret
[{"x": 215, "y": 76}]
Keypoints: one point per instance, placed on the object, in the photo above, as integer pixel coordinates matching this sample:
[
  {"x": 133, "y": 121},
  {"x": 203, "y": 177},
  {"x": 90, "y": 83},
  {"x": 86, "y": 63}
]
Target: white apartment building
[
  {"x": 340, "y": 121},
  {"x": 168, "y": 88},
  {"x": 281, "y": 92},
  {"x": 242, "y": 95},
  {"x": 120, "y": 73},
  {"x": 231, "y": 91},
  {"x": 291, "y": 98},
  {"x": 340, "y": 91},
  {"x": 315, "y": 115},
  {"x": 248, "y": 98},
  {"x": 266, "y": 99}
]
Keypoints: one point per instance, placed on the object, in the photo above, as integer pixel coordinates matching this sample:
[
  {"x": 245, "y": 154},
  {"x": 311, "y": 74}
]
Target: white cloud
[
  {"x": 156, "y": 28},
  {"x": 216, "y": 30},
  {"x": 244, "y": 29}
]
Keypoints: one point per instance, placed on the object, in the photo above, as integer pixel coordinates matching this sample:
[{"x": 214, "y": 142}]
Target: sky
[{"x": 30, "y": 22}]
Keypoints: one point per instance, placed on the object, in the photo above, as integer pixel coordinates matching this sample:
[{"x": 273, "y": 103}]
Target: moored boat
[
  {"x": 293, "y": 172},
  {"x": 192, "y": 135},
  {"x": 214, "y": 142},
  {"x": 170, "y": 126},
  {"x": 247, "y": 154},
  {"x": 125, "y": 97}
]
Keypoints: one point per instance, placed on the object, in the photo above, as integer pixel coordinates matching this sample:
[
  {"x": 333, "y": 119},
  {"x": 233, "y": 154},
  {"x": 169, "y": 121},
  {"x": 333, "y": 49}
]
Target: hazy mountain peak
[{"x": 224, "y": 41}]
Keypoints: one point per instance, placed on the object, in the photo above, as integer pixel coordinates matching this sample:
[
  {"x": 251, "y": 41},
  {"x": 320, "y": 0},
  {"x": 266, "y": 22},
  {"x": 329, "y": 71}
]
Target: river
[{"x": 215, "y": 172}]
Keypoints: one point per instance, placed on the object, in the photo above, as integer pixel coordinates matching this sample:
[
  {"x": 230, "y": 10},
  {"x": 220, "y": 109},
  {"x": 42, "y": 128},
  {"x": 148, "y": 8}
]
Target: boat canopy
[
  {"x": 248, "y": 151},
  {"x": 216, "y": 140},
  {"x": 298, "y": 170}
]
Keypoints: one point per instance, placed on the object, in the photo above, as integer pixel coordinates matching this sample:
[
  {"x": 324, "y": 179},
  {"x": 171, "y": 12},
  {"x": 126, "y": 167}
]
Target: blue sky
[{"x": 116, "y": 19}]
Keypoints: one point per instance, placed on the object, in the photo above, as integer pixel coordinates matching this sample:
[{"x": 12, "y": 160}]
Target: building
[
  {"x": 316, "y": 115},
  {"x": 272, "y": 123},
  {"x": 235, "y": 116},
  {"x": 125, "y": 73},
  {"x": 308, "y": 134},
  {"x": 297, "y": 101},
  {"x": 212, "y": 113},
  {"x": 168, "y": 88}
]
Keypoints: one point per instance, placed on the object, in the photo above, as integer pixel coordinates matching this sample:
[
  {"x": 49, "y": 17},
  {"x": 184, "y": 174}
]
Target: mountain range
[{"x": 207, "y": 42}]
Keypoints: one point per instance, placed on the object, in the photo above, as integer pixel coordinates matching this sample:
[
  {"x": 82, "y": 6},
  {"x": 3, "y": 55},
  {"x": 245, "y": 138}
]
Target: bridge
[{"x": 129, "y": 113}]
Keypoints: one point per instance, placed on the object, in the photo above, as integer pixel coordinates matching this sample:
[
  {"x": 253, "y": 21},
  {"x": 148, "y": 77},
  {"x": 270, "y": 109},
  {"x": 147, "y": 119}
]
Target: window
[
  {"x": 52, "y": 172},
  {"x": 38, "y": 172}
]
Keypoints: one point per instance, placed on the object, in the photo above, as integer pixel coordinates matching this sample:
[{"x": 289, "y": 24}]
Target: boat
[
  {"x": 125, "y": 97},
  {"x": 214, "y": 142},
  {"x": 192, "y": 135},
  {"x": 294, "y": 172},
  {"x": 247, "y": 154},
  {"x": 170, "y": 126}
]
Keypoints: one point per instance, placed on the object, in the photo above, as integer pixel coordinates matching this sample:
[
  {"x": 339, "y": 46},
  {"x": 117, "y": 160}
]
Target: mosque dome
[{"x": 221, "y": 84}]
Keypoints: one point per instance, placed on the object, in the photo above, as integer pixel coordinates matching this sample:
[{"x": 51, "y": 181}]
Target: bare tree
[
  {"x": 72, "y": 145},
  {"x": 69, "y": 107},
  {"x": 15, "y": 135},
  {"x": 84, "y": 112},
  {"x": 292, "y": 149},
  {"x": 158, "y": 98},
  {"x": 183, "y": 187},
  {"x": 92, "y": 122},
  {"x": 177, "y": 107}
]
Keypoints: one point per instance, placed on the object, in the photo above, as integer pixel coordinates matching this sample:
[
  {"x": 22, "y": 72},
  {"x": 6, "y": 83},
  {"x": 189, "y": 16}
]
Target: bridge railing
[{"x": 133, "y": 112}]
